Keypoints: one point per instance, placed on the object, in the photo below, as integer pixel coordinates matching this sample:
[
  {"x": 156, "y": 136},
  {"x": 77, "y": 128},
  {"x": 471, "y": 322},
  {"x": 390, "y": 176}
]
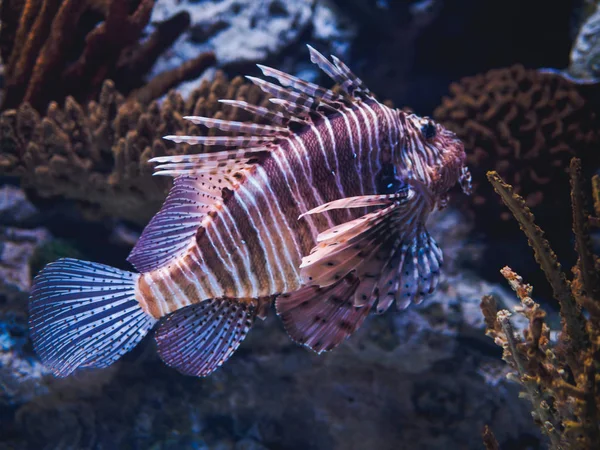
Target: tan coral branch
[
  {"x": 586, "y": 263},
  {"x": 546, "y": 258}
]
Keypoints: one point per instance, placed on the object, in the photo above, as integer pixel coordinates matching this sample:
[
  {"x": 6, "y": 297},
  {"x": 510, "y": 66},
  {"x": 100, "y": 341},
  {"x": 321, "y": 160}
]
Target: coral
[
  {"x": 56, "y": 48},
  {"x": 489, "y": 440},
  {"x": 524, "y": 125},
  {"x": 98, "y": 153},
  {"x": 560, "y": 378}
]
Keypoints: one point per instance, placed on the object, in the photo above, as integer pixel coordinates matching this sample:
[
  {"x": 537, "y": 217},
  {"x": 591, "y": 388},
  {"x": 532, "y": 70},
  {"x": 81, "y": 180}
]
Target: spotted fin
[
  {"x": 374, "y": 247},
  {"x": 321, "y": 318},
  {"x": 417, "y": 264},
  {"x": 198, "y": 339},
  {"x": 84, "y": 314}
]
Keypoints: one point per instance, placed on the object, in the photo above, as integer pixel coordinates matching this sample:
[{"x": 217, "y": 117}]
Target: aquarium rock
[
  {"x": 17, "y": 245},
  {"x": 249, "y": 31}
]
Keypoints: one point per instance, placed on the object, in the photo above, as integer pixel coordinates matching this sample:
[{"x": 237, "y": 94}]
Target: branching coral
[
  {"x": 56, "y": 48},
  {"x": 523, "y": 125},
  {"x": 98, "y": 154},
  {"x": 561, "y": 379}
]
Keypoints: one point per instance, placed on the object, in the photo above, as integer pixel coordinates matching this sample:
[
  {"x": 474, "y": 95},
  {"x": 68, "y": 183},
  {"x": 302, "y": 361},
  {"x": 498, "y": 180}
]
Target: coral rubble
[
  {"x": 98, "y": 153},
  {"x": 560, "y": 379},
  {"x": 56, "y": 48},
  {"x": 524, "y": 125}
]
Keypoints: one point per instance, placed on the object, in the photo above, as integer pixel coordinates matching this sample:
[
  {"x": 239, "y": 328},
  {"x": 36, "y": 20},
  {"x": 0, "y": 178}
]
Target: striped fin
[
  {"x": 307, "y": 88},
  {"x": 359, "y": 202},
  {"x": 237, "y": 127},
  {"x": 275, "y": 117},
  {"x": 353, "y": 84},
  {"x": 321, "y": 318},
  {"x": 369, "y": 247},
  {"x": 199, "y": 338},
  {"x": 420, "y": 272},
  {"x": 295, "y": 110},
  {"x": 84, "y": 314},
  {"x": 283, "y": 93},
  {"x": 227, "y": 141},
  {"x": 417, "y": 264},
  {"x": 340, "y": 74},
  {"x": 298, "y": 100},
  {"x": 172, "y": 230},
  {"x": 224, "y": 163}
]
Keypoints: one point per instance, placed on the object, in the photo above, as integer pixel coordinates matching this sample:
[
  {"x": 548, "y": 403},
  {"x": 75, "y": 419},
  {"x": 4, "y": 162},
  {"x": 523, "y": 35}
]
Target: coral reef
[
  {"x": 561, "y": 378},
  {"x": 524, "y": 125},
  {"x": 56, "y": 48},
  {"x": 98, "y": 153}
]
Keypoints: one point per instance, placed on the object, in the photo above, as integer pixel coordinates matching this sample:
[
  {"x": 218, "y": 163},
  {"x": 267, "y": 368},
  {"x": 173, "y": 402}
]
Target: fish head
[{"x": 435, "y": 154}]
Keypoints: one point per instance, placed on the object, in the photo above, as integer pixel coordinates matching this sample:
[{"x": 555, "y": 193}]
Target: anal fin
[
  {"x": 321, "y": 318},
  {"x": 198, "y": 339}
]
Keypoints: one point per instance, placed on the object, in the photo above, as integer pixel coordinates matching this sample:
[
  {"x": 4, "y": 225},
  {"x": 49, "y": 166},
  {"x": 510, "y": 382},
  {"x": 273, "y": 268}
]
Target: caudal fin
[
  {"x": 198, "y": 339},
  {"x": 83, "y": 314}
]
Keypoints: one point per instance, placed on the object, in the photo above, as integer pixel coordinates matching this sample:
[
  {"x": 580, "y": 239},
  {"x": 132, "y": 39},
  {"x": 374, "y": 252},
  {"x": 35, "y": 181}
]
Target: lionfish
[{"x": 323, "y": 211}]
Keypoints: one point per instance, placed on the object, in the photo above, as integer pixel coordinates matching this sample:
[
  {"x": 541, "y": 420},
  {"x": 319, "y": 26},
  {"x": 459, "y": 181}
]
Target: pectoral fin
[{"x": 389, "y": 251}]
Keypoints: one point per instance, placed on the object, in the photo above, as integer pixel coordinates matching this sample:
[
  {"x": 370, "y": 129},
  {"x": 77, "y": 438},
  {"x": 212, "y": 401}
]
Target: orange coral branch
[
  {"x": 546, "y": 258},
  {"x": 489, "y": 440},
  {"x": 596, "y": 194},
  {"x": 44, "y": 62},
  {"x": 50, "y": 60},
  {"x": 586, "y": 263}
]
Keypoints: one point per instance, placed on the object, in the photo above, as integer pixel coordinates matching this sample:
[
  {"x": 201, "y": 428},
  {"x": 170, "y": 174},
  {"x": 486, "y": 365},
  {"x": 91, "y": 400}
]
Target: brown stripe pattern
[{"x": 253, "y": 246}]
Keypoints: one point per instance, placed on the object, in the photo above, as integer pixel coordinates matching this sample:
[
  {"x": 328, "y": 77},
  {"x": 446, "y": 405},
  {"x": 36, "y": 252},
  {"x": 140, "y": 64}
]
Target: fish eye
[{"x": 428, "y": 130}]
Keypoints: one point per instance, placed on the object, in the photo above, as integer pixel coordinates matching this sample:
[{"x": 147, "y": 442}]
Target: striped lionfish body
[{"x": 324, "y": 210}]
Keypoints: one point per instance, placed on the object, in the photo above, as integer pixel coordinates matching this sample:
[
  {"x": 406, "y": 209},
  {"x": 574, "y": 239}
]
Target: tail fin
[
  {"x": 84, "y": 314},
  {"x": 198, "y": 339}
]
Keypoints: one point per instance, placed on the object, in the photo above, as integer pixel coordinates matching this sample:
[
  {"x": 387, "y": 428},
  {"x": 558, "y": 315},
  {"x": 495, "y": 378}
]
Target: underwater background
[{"x": 89, "y": 87}]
